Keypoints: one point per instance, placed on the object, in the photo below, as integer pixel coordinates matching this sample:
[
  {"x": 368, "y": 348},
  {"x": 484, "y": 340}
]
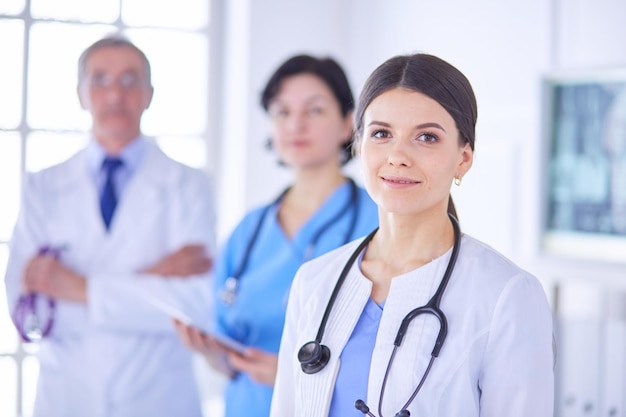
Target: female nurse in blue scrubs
[{"x": 310, "y": 106}]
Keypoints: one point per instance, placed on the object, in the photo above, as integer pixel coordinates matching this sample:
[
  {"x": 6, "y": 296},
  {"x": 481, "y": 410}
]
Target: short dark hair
[
  {"x": 428, "y": 75},
  {"x": 116, "y": 41},
  {"x": 327, "y": 70}
]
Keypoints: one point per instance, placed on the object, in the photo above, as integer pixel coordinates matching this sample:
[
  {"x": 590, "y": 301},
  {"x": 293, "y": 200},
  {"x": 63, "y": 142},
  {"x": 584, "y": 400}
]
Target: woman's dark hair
[
  {"x": 327, "y": 70},
  {"x": 429, "y": 75}
]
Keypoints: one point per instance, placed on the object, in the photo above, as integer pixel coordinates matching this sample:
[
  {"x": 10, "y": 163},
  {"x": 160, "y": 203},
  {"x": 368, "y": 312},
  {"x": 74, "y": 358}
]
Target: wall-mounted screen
[{"x": 585, "y": 175}]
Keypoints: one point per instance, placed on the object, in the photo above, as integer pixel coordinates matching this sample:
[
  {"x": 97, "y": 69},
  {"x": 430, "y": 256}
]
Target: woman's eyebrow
[{"x": 420, "y": 126}]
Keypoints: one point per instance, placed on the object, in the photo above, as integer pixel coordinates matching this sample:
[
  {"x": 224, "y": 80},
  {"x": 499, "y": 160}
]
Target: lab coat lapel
[
  {"x": 75, "y": 190},
  {"x": 407, "y": 292},
  {"x": 346, "y": 312}
]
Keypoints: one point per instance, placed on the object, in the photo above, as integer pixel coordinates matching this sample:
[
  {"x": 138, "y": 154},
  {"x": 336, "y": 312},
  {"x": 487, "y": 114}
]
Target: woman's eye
[
  {"x": 315, "y": 110},
  {"x": 380, "y": 134},
  {"x": 279, "y": 113},
  {"x": 427, "y": 137}
]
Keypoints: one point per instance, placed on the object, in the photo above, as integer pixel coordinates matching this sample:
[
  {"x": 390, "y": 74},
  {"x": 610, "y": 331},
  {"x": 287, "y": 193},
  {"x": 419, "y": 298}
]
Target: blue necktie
[{"x": 108, "y": 199}]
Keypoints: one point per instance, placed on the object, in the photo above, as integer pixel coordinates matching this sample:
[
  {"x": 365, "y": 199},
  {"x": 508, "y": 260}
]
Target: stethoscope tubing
[
  {"x": 352, "y": 203},
  {"x": 432, "y": 307},
  {"x": 25, "y": 310},
  {"x": 339, "y": 284}
]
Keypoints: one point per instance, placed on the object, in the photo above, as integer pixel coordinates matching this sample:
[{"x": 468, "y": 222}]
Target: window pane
[
  {"x": 11, "y": 6},
  {"x": 188, "y": 150},
  {"x": 11, "y": 71},
  {"x": 184, "y": 14},
  {"x": 10, "y": 175},
  {"x": 52, "y": 74},
  {"x": 105, "y": 11},
  {"x": 30, "y": 375},
  {"x": 8, "y": 341},
  {"x": 180, "y": 74},
  {"x": 44, "y": 149},
  {"x": 8, "y": 392}
]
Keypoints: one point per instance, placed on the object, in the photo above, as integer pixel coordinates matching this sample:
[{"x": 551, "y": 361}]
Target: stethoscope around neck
[
  {"x": 228, "y": 295},
  {"x": 314, "y": 356}
]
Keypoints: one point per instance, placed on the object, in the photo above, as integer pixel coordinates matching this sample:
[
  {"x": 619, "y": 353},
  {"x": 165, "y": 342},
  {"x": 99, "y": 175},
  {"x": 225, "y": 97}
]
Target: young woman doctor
[
  {"x": 310, "y": 106},
  {"x": 417, "y": 318}
]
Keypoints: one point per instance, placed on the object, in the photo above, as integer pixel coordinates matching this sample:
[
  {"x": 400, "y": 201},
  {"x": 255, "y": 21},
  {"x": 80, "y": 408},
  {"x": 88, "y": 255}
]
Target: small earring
[{"x": 457, "y": 181}]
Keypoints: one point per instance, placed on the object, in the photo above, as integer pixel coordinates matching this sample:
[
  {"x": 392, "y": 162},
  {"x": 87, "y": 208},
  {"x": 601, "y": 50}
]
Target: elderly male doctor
[{"x": 129, "y": 222}]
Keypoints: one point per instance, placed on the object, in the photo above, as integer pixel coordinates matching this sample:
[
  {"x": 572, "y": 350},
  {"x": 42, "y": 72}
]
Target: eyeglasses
[{"x": 126, "y": 81}]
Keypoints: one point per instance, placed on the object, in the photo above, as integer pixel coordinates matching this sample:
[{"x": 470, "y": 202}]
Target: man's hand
[
  {"x": 187, "y": 261},
  {"x": 46, "y": 275}
]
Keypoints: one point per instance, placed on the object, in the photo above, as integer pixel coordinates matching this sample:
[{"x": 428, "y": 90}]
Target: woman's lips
[{"x": 399, "y": 182}]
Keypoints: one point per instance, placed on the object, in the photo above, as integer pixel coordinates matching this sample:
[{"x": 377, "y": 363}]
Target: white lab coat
[
  {"x": 497, "y": 359},
  {"x": 117, "y": 356}
]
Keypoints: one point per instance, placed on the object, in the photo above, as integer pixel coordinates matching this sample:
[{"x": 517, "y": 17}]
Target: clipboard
[{"x": 184, "y": 318}]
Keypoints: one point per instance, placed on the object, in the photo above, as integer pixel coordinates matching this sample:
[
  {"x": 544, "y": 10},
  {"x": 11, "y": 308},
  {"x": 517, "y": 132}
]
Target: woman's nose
[
  {"x": 295, "y": 122},
  {"x": 399, "y": 153}
]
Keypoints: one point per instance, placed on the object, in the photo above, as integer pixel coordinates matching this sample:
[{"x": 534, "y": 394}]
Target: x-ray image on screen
[
  {"x": 587, "y": 158},
  {"x": 584, "y": 175}
]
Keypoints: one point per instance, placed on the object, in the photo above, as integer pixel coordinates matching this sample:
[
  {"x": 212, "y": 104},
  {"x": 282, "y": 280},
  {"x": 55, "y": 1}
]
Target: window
[{"x": 41, "y": 122}]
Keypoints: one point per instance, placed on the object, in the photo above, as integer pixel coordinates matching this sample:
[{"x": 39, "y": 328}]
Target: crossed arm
[{"x": 46, "y": 275}]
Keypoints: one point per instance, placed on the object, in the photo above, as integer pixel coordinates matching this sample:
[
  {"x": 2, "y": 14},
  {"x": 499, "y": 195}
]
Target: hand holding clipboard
[
  {"x": 185, "y": 324},
  {"x": 225, "y": 354}
]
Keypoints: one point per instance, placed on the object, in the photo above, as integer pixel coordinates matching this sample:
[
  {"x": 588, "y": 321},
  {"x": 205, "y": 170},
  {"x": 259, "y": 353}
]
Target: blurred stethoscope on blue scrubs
[
  {"x": 231, "y": 285},
  {"x": 34, "y": 323},
  {"x": 314, "y": 356}
]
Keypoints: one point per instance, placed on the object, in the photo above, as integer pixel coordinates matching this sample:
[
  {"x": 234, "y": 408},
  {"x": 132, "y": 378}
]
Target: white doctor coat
[
  {"x": 497, "y": 359},
  {"x": 116, "y": 356}
]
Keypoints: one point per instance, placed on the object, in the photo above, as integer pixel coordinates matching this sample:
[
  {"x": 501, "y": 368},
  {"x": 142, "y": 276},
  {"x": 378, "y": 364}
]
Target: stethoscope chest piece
[
  {"x": 313, "y": 357},
  {"x": 229, "y": 292}
]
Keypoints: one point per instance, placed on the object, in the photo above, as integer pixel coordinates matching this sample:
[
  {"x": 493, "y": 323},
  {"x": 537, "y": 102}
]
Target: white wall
[{"x": 590, "y": 34}]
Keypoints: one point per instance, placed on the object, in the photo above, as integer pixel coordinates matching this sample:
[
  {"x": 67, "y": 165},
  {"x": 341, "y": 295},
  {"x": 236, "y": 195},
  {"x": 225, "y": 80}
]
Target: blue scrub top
[
  {"x": 257, "y": 316},
  {"x": 353, "y": 376}
]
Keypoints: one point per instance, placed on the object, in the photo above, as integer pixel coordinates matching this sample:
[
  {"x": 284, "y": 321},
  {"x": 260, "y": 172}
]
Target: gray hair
[{"x": 111, "y": 41}]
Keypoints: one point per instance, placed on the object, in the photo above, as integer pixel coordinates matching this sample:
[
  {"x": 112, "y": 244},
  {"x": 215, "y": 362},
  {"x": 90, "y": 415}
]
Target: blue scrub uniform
[
  {"x": 257, "y": 316},
  {"x": 356, "y": 358}
]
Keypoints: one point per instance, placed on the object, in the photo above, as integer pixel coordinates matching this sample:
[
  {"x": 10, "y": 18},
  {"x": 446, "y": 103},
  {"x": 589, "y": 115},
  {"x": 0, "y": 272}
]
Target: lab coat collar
[
  {"x": 145, "y": 188},
  {"x": 151, "y": 171},
  {"x": 132, "y": 155}
]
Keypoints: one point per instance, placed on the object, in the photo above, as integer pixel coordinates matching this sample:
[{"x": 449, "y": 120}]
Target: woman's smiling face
[
  {"x": 308, "y": 127},
  {"x": 410, "y": 152}
]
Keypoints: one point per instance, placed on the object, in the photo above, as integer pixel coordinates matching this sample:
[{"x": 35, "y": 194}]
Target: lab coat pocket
[{"x": 52, "y": 386}]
